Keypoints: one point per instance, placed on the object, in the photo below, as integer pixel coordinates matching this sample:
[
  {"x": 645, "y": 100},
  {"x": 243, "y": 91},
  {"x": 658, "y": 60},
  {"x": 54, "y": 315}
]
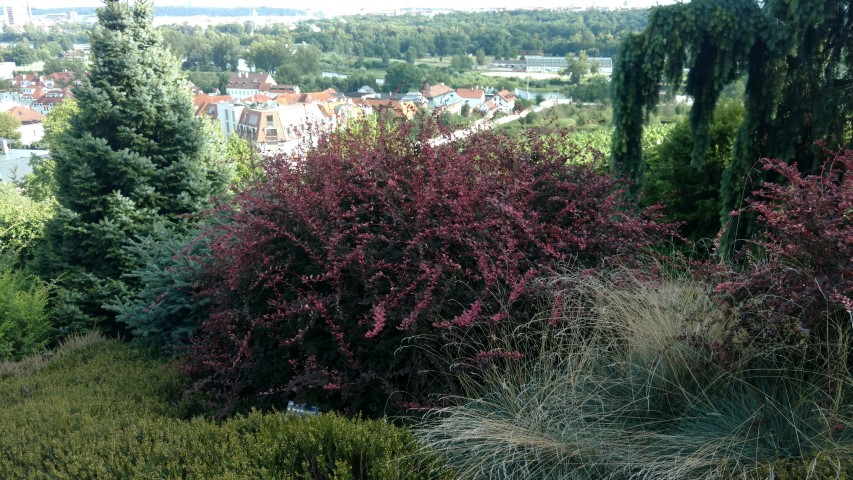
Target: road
[
  {"x": 478, "y": 126},
  {"x": 487, "y": 124}
]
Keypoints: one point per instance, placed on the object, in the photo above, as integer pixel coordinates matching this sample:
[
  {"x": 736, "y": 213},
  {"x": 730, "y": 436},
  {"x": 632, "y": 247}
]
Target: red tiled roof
[
  {"x": 469, "y": 93},
  {"x": 323, "y": 96},
  {"x": 288, "y": 98},
  {"x": 280, "y": 89},
  {"x": 26, "y": 115},
  {"x": 258, "y": 99},
  {"x": 51, "y": 98},
  {"x": 204, "y": 102},
  {"x": 62, "y": 77},
  {"x": 506, "y": 95},
  {"x": 437, "y": 91}
]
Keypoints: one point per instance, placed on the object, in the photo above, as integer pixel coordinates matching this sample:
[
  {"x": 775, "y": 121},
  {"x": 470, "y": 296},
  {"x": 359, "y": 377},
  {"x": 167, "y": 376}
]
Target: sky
[{"x": 351, "y": 5}]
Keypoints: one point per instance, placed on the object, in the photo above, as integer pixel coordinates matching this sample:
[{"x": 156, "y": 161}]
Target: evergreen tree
[
  {"x": 797, "y": 59},
  {"x": 134, "y": 158}
]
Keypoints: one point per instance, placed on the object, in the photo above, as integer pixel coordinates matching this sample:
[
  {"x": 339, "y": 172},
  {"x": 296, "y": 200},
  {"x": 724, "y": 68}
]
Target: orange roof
[
  {"x": 323, "y": 96},
  {"x": 258, "y": 99},
  {"x": 437, "y": 91},
  {"x": 62, "y": 76},
  {"x": 288, "y": 98},
  {"x": 26, "y": 115},
  {"x": 203, "y": 98},
  {"x": 469, "y": 93},
  {"x": 206, "y": 104},
  {"x": 506, "y": 95}
]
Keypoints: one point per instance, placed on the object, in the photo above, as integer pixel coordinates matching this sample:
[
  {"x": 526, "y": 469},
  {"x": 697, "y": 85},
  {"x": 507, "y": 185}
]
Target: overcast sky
[{"x": 351, "y": 5}]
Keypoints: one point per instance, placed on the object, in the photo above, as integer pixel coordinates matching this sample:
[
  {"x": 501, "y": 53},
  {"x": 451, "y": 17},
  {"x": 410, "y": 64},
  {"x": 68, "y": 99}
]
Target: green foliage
[
  {"x": 99, "y": 410},
  {"x": 461, "y": 62},
  {"x": 619, "y": 380},
  {"x": 402, "y": 77},
  {"x": 268, "y": 54},
  {"x": 9, "y": 126},
  {"x": 22, "y": 221},
  {"x": 247, "y": 161},
  {"x": 480, "y": 56},
  {"x": 24, "y": 326},
  {"x": 40, "y": 184},
  {"x": 135, "y": 156},
  {"x": 58, "y": 121},
  {"x": 209, "y": 81},
  {"x": 595, "y": 88},
  {"x": 578, "y": 66},
  {"x": 163, "y": 314},
  {"x": 298, "y": 63},
  {"x": 795, "y": 58},
  {"x": 691, "y": 195},
  {"x": 719, "y": 36}
]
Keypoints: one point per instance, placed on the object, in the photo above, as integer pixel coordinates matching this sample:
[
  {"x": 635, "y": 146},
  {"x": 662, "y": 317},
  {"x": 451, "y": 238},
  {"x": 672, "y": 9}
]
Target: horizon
[{"x": 373, "y": 6}]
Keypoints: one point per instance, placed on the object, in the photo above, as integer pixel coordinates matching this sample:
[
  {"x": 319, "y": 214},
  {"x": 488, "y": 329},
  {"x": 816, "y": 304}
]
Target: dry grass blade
[{"x": 620, "y": 382}]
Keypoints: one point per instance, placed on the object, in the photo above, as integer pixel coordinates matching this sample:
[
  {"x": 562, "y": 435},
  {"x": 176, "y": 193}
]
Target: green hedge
[{"x": 102, "y": 410}]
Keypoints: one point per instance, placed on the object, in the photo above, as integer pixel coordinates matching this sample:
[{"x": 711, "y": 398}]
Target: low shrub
[
  {"x": 22, "y": 221},
  {"x": 691, "y": 193},
  {"x": 24, "y": 326},
  {"x": 321, "y": 279},
  {"x": 96, "y": 409},
  {"x": 798, "y": 274},
  {"x": 619, "y": 381}
]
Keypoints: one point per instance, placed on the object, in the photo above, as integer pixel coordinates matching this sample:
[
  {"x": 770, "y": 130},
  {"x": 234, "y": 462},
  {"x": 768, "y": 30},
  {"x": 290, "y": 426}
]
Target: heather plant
[
  {"x": 323, "y": 280},
  {"x": 798, "y": 274},
  {"x": 97, "y": 409},
  {"x": 619, "y": 381}
]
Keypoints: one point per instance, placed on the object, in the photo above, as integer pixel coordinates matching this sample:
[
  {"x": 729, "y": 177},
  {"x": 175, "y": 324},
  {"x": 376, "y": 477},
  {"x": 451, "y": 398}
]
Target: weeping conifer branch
[{"x": 798, "y": 61}]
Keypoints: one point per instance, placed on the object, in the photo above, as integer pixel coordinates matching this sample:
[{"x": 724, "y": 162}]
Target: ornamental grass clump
[
  {"x": 319, "y": 276},
  {"x": 619, "y": 381}
]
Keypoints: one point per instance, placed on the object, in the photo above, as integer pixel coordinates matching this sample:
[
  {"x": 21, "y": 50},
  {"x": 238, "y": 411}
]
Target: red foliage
[
  {"x": 378, "y": 241},
  {"x": 801, "y": 272}
]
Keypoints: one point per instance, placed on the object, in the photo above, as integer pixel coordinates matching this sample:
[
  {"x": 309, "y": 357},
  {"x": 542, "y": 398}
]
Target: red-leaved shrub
[
  {"x": 799, "y": 276},
  {"x": 333, "y": 281}
]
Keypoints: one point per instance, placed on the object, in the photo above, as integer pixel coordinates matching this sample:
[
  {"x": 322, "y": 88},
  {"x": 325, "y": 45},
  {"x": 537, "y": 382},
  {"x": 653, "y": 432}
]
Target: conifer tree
[
  {"x": 134, "y": 158},
  {"x": 797, "y": 59}
]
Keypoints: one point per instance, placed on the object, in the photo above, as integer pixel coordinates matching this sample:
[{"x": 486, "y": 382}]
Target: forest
[{"x": 620, "y": 287}]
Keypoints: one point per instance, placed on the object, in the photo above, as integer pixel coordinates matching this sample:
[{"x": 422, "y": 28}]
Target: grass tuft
[{"x": 621, "y": 381}]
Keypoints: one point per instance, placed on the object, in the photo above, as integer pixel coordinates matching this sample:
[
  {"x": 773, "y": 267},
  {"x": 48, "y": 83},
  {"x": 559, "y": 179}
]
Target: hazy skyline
[{"x": 368, "y": 5}]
